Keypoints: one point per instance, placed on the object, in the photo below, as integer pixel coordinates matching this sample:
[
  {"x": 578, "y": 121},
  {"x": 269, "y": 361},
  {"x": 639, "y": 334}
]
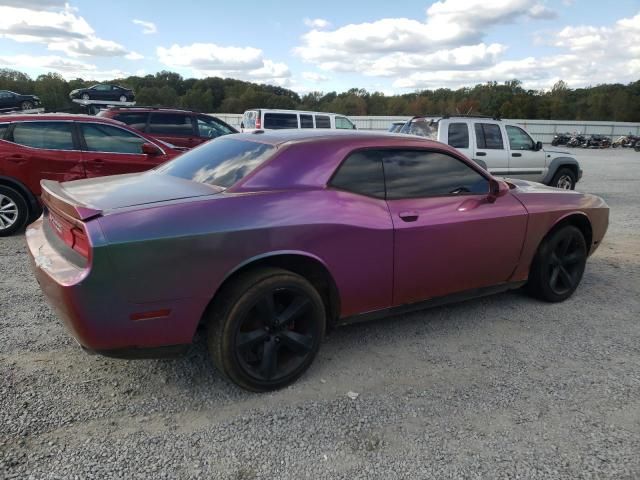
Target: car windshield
[{"x": 221, "y": 162}]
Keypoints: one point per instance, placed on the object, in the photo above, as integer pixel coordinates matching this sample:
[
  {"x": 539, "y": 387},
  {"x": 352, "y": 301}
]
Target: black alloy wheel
[
  {"x": 267, "y": 331},
  {"x": 26, "y": 105},
  {"x": 559, "y": 265}
]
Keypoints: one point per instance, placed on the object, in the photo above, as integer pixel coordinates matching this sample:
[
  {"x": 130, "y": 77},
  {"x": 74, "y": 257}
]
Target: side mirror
[
  {"x": 150, "y": 149},
  {"x": 538, "y": 146},
  {"x": 242, "y": 125},
  {"x": 497, "y": 188}
]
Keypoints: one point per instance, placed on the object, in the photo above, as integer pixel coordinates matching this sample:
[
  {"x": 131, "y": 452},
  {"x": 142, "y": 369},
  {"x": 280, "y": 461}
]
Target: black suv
[{"x": 182, "y": 128}]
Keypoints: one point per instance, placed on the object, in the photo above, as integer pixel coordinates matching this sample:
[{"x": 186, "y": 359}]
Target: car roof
[
  {"x": 57, "y": 116},
  {"x": 144, "y": 109},
  {"x": 284, "y": 110}
]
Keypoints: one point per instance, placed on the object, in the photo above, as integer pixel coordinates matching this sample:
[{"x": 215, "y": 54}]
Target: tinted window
[
  {"x": 361, "y": 173},
  {"x": 306, "y": 121},
  {"x": 105, "y": 138},
  {"x": 102, "y": 87},
  {"x": 344, "y": 123},
  {"x": 133, "y": 119},
  {"x": 488, "y": 136},
  {"x": 171, "y": 124},
  {"x": 519, "y": 139},
  {"x": 3, "y": 129},
  {"x": 249, "y": 119},
  {"x": 322, "y": 121},
  {"x": 5, "y": 94},
  {"x": 210, "y": 128},
  {"x": 221, "y": 162},
  {"x": 411, "y": 174},
  {"x": 459, "y": 135},
  {"x": 48, "y": 135},
  {"x": 280, "y": 120}
]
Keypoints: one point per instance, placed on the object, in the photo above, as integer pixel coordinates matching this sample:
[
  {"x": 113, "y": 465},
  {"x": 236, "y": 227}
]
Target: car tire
[
  {"x": 559, "y": 264},
  {"x": 266, "y": 328},
  {"x": 85, "y": 96},
  {"x": 14, "y": 211},
  {"x": 123, "y": 98},
  {"x": 564, "y": 178},
  {"x": 26, "y": 105}
]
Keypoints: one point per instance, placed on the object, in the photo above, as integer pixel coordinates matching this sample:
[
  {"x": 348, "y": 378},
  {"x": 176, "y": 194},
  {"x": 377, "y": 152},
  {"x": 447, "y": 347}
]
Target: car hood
[
  {"x": 526, "y": 186},
  {"x": 129, "y": 190},
  {"x": 559, "y": 152}
]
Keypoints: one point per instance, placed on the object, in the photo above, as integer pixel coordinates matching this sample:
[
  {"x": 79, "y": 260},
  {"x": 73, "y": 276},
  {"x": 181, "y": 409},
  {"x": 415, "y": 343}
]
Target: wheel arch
[
  {"x": 304, "y": 264},
  {"x": 579, "y": 220},
  {"x": 562, "y": 162},
  {"x": 32, "y": 201}
]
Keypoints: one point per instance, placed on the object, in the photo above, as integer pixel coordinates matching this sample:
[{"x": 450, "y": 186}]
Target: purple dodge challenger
[{"x": 269, "y": 239}]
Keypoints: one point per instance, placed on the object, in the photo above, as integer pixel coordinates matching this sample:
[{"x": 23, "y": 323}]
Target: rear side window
[
  {"x": 137, "y": 120},
  {"x": 415, "y": 174},
  {"x": 171, "y": 124},
  {"x": 105, "y": 138},
  {"x": 221, "y": 162},
  {"x": 3, "y": 129},
  {"x": 459, "y": 135},
  {"x": 280, "y": 120},
  {"x": 47, "y": 135},
  {"x": 323, "y": 121},
  {"x": 306, "y": 121},
  {"x": 489, "y": 136},
  {"x": 361, "y": 173}
]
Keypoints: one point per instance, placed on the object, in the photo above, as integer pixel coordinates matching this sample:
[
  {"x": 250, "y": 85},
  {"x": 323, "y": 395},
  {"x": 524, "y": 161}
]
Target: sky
[{"x": 388, "y": 46}]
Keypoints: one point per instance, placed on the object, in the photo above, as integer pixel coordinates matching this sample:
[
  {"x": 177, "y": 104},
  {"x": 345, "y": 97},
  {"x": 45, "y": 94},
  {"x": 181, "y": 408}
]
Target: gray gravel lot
[{"x": 501, "y": 387}]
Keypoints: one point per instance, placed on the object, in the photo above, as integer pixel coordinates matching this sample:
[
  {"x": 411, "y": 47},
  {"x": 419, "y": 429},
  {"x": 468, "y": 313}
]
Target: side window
[
  {"x": 103, "y": 88},
  {"x": 519, "y": 139},
  {"x": 280, "y": 120},
  {"x": 105, "y": 138},
  {"x": 414, "y": 174},
  {"x": 489, "y": 136},
  {"x": 209, "y": 128},
  {"x": 361, "y": 173},
  {"x": 249, "y": 119},
  {"x": 323, "y": 121},
  {"x": 306, "y": 121},
  {"x": 344, "y": 123},
  {"x": 171, "y": 124},
  {"x": 137, "y": 120},
  {"x": 47, "y": 135},
  {"x": 459, "y": 135},
  {"x": 3, "y": 129}
]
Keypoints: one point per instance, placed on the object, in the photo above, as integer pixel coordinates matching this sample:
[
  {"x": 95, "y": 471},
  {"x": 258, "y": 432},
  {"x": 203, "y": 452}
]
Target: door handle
[
  {"x": 516, "y": 154},
  {"x": 16, "y": 159},
  {"x": 97, "y": 161},
  {"x": 409, "y": 216},
  {"x": 481, "y": 154}
]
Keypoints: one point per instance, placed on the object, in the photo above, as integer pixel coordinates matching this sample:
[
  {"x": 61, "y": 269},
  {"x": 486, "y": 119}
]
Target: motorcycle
[
  {"x": 626, "y": 141},
  {"x": 576, "y": 141},
  {"x": 597, "y": 141},
  {"x": 561, "y": 139}
]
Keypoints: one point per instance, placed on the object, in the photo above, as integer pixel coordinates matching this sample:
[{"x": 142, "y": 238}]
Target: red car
[
  {"x": 182, "y": 128},
  {"x": 64, "y": 147},
  {"x": 268, "y": 239}
]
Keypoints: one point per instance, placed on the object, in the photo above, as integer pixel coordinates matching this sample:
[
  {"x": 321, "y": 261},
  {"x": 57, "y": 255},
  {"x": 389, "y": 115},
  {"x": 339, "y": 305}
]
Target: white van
[{"x": 269, "y": 119}]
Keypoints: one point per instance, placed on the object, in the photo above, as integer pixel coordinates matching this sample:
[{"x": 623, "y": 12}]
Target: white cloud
[
  {"x": 68, "y": 68},
  {"x": 60, "y": 29},
  {"x": 314, "y": 77},
  {"x": 147, "y": 27},
  {"x": 542, "y": 12},
  {"x": 317, "y": 23},
  {"x": 209, "y": 59},
  {"x": 134, "y": 56}
]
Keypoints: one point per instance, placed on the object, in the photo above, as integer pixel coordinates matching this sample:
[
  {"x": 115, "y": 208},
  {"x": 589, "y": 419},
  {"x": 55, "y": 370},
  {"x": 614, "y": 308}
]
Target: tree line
[{"x": 607, "y": 102}]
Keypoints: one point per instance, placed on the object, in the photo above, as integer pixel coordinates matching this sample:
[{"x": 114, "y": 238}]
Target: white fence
[{"x": 542, "y": 130}]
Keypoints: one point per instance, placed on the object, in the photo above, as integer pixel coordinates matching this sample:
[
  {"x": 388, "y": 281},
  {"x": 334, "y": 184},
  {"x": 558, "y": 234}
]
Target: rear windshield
[
  {"x": 424, "y": 127},
  {"x": 220, "y": 162},
  {"x": 249, "y": 119}
]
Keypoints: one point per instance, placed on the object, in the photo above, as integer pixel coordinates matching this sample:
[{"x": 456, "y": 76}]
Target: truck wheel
[
  {"x": 565, "y": 179},
  {"x": 14, "y": 211}
]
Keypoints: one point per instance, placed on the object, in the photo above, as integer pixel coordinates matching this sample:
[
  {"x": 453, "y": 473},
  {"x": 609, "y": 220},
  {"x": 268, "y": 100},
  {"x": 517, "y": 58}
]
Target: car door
[
  {"x": 44, "y": 150},
  {"x": 111, "y": 150},
  {"x": 173, "y": 127},
  {"x": 490, "y": 148},
  {"x": 526, "y": 161},
  {"x": 449, "y": 237}
]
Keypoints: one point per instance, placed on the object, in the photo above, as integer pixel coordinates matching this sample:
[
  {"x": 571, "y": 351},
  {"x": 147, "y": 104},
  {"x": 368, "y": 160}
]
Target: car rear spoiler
[{"x": 54, "y": 196}]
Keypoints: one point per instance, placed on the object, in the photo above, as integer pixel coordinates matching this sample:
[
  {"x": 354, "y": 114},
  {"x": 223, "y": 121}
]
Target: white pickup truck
[{"x": 483, "y": 140}]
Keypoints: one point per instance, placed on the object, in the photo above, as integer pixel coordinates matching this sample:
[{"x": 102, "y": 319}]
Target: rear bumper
[{"x": 90, "y": 303}]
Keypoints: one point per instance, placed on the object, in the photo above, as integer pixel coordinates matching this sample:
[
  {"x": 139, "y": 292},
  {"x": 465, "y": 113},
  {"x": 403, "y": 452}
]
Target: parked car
[
  {"x": 64, "y": 147},
  {"x": 103, "y": 91},
  {"x": 268, "y": 252},
  {"x": 503, "y": 148},
  {"x": 183, "y": 128},
  {"x": 270, "y": 119},
  {"x": 396, "y": 126},
  {"x": 15, "y": 101}
]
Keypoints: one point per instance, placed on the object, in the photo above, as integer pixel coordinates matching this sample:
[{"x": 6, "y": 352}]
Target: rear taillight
[
  {"x": 258, "y": 122},
  {"x": 72, "y": 234},
  {"x": 80, "y": 242}
]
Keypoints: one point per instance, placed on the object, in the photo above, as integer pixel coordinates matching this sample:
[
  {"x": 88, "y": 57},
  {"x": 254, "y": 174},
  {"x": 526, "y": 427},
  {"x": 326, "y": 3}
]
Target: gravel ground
[{"x": 501, "y": 387}]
